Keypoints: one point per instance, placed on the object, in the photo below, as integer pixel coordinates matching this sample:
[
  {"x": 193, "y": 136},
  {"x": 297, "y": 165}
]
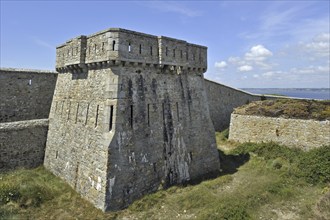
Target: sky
[{"x": 251, "y": 44}]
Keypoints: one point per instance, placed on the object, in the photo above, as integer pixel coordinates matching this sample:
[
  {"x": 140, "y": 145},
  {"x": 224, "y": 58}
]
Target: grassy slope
[{"x": 255, "y": 184}]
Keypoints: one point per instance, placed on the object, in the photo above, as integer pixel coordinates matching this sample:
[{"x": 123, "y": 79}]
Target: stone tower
[{"x": 129, "y": 115}]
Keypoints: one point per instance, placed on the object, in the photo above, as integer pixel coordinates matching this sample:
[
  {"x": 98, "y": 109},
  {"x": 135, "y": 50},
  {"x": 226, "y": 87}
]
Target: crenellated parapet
[{"x": 117, "y": 46}]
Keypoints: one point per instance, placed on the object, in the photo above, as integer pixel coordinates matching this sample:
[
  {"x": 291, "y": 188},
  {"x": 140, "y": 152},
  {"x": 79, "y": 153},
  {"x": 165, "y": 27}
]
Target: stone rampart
[
  {"x": 25, "y": 94},
  {"x": 304, "y": 134},
  {"x": 223, "y": 99},
  {"x": 22, "y": 144}
]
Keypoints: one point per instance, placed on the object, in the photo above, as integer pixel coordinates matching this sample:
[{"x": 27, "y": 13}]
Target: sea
[{"x": 308, "y": 93}]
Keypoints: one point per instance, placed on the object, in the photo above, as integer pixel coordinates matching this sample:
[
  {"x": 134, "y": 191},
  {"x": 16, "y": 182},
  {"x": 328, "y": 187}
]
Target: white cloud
[
  {"x": 268, "y": 74},
  {"x": 237, "y": 61},
  {"x": 311, "y": 70},
  {"x": 320, "y": 45},
  {"x": 255, "y": 76},
  {"x": 258, "y": 53},
  {"x": 233, "y": 59},
  {"x": 221, "y": 64},
  {"x": 245, "y": 68},
  {"x": 174, "y": 7}
]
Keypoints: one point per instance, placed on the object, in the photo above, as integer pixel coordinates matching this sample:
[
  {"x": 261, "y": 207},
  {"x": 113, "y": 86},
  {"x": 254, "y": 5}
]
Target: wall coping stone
[
  {"x": 17, "y": 125},
  {"x": 23, "y": 70},
  {"x": 257, "y": 95}
]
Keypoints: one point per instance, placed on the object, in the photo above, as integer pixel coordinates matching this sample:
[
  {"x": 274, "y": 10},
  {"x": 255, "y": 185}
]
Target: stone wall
[
  {"x": 22, "y": 144},
  {"x": 25, "y": 94},
  {"x": 125, "y": 122},
  {"x": 304, "y": 134},
  {"x": 223, "y": 99}
]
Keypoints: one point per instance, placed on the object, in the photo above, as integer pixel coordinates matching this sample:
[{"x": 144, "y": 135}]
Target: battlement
[{"x": 117, "y": 46}]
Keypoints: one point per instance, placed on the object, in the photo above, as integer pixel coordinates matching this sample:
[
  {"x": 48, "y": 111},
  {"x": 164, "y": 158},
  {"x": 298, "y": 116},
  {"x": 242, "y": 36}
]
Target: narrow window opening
[
  {"x": 148, "y": 114},
  {"x": 62, "y": 107},
  {"x": 87, "y": 114},
  {"x": 55, "y": 106},
  {"x": 56, "y": 154},
  {"x": 140, "y": 49},
  {"x": 173, "y": 52},
  {"x": 68, "y": 118},
  {"x": 166, "y": 51},
  {"x": 129, "y": 47},
  {"x": 113, "y": 45},
  {"x": 177, "y": 111},
  {"x": 94, "y": 47},
  {"x": 77, "y": 50},
  {"x": 190, "y": 156},
  {"x": 151, "y": 50},
  {"x": 111, "y": 116},
  {"x": 154, "y": 167},
  {"x": 97, "y": 115},
  {"x": 181, "y": 54},
  {"x": 131, "y": 117},
  {"x": 163, "y": 108},
  {"x": 30, "y": 82},
  {"x": 77, "y": 113},
  {"x": 103, "y": 44}
]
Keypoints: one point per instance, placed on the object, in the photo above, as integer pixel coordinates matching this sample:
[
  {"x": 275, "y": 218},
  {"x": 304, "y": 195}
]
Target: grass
[
  {"x": 258, "y": 181},
  {"x": 288, "y": 108}
]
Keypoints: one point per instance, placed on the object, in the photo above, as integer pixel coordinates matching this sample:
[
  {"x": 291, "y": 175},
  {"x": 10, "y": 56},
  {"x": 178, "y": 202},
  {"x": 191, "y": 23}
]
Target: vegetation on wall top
[{"x": 288, "y": 108}]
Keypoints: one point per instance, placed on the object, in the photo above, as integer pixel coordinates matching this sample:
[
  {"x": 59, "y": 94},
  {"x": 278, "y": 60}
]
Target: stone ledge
[
  {"x": 18, "y": 125},
  {"x": 23, "y": 70}
]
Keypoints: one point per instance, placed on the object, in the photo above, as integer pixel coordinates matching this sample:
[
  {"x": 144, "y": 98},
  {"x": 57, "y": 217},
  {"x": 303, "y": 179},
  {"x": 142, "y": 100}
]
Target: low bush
[{"x": 313, "y": 165}]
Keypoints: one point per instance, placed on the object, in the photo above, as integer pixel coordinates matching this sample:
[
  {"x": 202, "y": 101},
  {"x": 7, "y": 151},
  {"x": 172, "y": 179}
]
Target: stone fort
[{"x": 129, "y": 113}]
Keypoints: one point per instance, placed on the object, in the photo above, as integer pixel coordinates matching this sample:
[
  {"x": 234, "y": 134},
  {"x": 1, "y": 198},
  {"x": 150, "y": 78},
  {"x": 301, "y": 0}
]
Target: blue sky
[{"x": 255, "y": 44}]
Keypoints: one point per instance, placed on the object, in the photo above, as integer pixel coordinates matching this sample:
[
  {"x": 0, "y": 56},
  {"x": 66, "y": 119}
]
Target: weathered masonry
[
  {"x": 129, "y": 115},
  {"x": 25, "y": 94},
  {"x": 25, "y": 100}
]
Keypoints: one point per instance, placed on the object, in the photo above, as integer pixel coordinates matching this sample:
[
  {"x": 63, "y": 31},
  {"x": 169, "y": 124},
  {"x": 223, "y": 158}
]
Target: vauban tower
[{"x": 129, "y": 115}]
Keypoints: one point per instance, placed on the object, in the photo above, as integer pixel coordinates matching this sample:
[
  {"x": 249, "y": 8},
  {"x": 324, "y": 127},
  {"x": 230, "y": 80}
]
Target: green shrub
[{"x": 314, "y": 165}]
